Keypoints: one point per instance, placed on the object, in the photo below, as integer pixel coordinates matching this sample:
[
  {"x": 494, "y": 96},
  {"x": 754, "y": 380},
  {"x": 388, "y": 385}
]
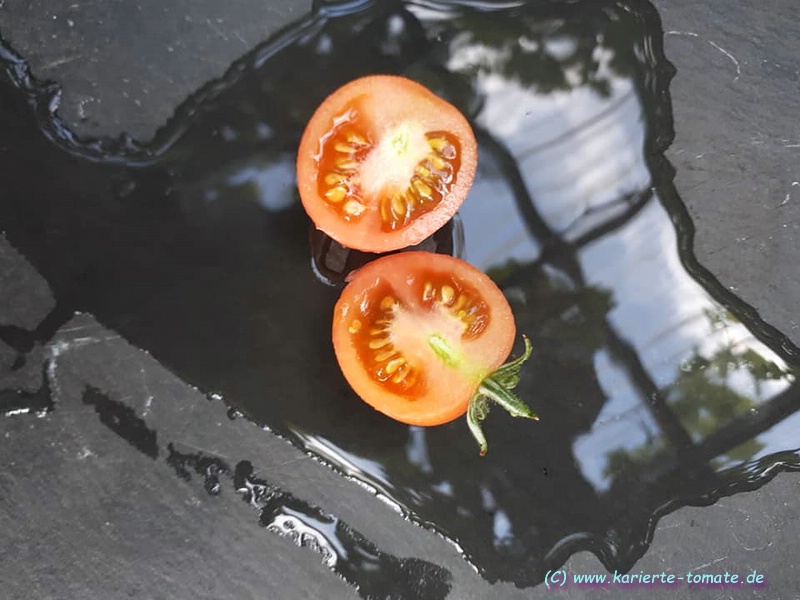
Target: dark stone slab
[
  {"x": 737, "y": 145},
  {"x": 25, "y": 298},
  {"x": 109, "y": 495},
  {"x": 124, "y": 66}
]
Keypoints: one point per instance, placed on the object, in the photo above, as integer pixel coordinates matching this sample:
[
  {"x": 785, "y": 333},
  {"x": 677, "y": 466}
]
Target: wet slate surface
[
  {"x": 88, "y": 486},
  {"x": 125, "y": 66}
]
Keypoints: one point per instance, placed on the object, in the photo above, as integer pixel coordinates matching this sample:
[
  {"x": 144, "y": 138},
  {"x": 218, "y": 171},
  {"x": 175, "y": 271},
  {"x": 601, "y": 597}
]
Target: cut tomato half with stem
[
  {"x": 384, "y": 163},
  {"x": 421, "y": 337}
]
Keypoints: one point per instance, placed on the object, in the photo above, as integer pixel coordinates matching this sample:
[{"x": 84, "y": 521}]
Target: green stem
[{"x": 498, "y": 387}]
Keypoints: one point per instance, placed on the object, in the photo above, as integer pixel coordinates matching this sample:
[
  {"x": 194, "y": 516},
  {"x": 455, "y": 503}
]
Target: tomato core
[
  {"x": 354, "y": 175},
  {"x": 399, "y": 340}
]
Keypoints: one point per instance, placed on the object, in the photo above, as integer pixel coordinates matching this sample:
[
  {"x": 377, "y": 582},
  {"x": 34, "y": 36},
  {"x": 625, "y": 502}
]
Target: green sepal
[{"x": 498, "y": 387}]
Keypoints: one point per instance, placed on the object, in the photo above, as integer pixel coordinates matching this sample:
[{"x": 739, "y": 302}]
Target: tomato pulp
[
  {"x": 384, "y": 163},
  {"x": 421, "y": 337}
]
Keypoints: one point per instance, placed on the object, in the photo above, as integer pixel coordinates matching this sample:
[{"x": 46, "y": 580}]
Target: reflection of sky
[
  {"x": 581, "y": 155},
  {"x": 577, "y": 150},
  {"x": 273, "y": 181},
  {"x": 490, "y": 240},
  {"x": 623, "y": 423},
  {"x": 659, "y": 309},
  {"x": 662, "y": 313},
  {"x": 784, "y": 435}
]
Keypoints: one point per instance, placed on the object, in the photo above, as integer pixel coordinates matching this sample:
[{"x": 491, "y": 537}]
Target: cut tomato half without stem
[
  {"x": 422, "y": 338},
  {"x": 384, "y": 162}
]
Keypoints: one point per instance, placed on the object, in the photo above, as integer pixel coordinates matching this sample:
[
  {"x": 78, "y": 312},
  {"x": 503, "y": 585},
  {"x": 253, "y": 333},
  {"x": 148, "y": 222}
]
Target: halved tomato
[
  {"x": 421, "y": 337},
  {"x": 384, "y": 163}
]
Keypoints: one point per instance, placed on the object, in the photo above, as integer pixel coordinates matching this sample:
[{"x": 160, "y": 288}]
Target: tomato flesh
[
  {"x": 384, "y": 163},
  {"x": 416, "y": 333}
]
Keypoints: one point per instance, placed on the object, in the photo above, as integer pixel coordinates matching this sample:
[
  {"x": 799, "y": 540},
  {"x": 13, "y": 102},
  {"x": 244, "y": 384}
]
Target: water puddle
[{"x": 656, "y": 387}]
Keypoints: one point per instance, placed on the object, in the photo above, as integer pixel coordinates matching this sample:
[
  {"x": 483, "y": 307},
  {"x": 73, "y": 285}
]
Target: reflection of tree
[
  {"x": 573, "y": 314},
  {"x": 545, "y": 49},
  {"x": 706, "y": 396}
]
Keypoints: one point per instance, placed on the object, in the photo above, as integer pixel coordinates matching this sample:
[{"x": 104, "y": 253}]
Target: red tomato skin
[{"x": 384, "y": 99}]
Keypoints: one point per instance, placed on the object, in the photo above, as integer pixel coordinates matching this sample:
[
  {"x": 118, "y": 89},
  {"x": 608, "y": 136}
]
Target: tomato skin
[
  {"x": 373, "y": 108},
  {"x": 440, "y": 388}
]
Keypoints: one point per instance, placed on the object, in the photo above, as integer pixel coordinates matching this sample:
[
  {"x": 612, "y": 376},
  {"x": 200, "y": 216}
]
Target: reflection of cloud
[
  {"x": 417, "y": 450},
  {"x": 274, "y": 182},
  {"x": 492, "y": 240},
  {"x": 577, "y": 150},
  {"x": 624, "y": 423},
  {"x": 663, "y": 312},
  {"x": 784, "y": 434}
]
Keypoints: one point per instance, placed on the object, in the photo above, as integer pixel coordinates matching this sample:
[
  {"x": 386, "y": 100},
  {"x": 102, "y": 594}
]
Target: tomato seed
[
  {"x": 353, "y": 208},
  {"x": 336, "y": 194},
  {"x": 399, "y": 206},
  {"x": 334, "y": 178},
  {"x": 402, "y": 376},
  {"x": 447, "y": 294},
  {"x": 344, "y": 148},
  {"x": 395, "y": 364},
  {"x": 346, "y": 163},
  {"x": 438, "y": 162},
  {"x": 422, "y": 188},
  {"x": 356, "y": 139},
  {"x": 437, "y": 143},
  {"x": 385, "y": 355},
  {"x": 378, "y": 343},
  {"x": 461, "y": 301},
  {"x": 448, "y": 152}
]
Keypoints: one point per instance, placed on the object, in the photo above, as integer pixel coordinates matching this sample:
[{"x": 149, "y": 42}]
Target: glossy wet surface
[{"x": 656, "y": 387}]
